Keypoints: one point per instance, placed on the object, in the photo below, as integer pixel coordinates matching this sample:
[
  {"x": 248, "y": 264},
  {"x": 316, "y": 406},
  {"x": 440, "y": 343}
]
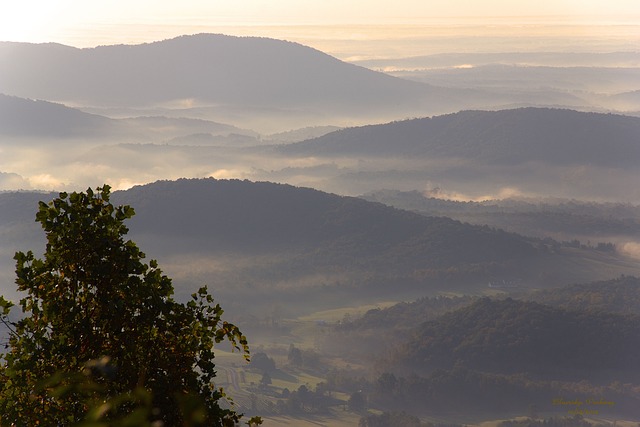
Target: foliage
[
  {"x": 621, "y": 295},
  {"x": 510, "y": 336},
  {"x": 263, "y": 362},
  {"x": 91, "y": 298},
  {"x": 304, "y": 400},
  {"x": 294, "y": 356},
  {"x": 266, "y": 379},
  {"x": 357, "y": 401},
  {"x": 406, "y": 315}
]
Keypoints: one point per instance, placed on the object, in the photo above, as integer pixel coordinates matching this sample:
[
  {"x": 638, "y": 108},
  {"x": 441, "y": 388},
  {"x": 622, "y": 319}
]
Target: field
[{"x": 271, "y": 399}]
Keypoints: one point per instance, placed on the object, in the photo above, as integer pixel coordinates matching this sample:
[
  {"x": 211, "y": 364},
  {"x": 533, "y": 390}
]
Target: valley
[{"x": 435, "y": 240}]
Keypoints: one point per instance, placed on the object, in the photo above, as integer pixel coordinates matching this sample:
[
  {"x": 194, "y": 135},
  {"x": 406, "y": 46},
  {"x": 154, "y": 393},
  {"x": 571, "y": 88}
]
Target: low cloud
[
  {"x": 12, "y": 181},
  {"x": 501, "y": 194},
  {"x": 631, "y": 249}
]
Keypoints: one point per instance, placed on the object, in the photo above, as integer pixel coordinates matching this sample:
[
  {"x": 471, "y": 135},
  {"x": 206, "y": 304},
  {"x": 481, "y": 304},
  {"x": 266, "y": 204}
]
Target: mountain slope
[
  {"x": 510, "y": 336},
  {"x": 506, "y": 137},
  {"x": 621, "y": 295},
  {"x": 199, "y": 69},
  {"x": 259, "y": 239},
  {"x": 311, "y": 232},
  {"x": 562, "y": 220},
  {"x": 260, "y": 216},
  {"x": 21, "y": 117},
  {"x": 36, "y": 119}
]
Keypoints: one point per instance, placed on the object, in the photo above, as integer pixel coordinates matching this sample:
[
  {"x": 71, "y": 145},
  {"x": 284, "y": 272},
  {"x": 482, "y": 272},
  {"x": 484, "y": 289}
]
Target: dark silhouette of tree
[
  {"x": 295, "y": 356},
  {"x": 263, "y": 362},
  {"x": 266, "y": 379},
  {"x": 357, "y": 401},
  {"x": 101, "y": 327}
]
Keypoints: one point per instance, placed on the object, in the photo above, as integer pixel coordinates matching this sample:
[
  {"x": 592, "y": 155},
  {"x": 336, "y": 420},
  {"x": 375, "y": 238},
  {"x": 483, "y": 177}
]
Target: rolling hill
[
  {"x": 263, "y": 240},
  {"x": 506, "y": 137},
  {"x": 562, "y": 220},
  {"x": 206, "y": 69},
  {"x": 481, "y": 155},
  {"x": 510, "y": 336},
  {"x": 39, "y": 120},
  {"x": 620, "y": 295},
  {"x": 27, "y": 118},
  {"x": 260, "y": 216}
]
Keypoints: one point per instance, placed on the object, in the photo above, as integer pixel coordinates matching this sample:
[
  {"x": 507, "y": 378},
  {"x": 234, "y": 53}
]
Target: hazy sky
[{"x": 85, "y": 23}]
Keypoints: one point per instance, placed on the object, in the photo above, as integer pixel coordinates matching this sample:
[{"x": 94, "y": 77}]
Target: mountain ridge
[
  {"x": 221, "y": 69},
  {"x": 494, "y": 137},
  {"x": 510, "y": 336},
  {"x": 260, "y": 239},
  {"x": 40, "y": 119}
]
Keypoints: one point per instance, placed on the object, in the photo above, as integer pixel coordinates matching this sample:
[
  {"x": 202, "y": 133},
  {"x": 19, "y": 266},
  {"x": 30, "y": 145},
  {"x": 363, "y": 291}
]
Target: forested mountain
[
  {"x": 21, "y": 117},
  {"x": 428, "y": 202},
  {"x": 270, "y": 238},
  {"x": 621, "y": 295},
  {"x": 480, "y": 155},
  {"x": 506, "y": 137},
  {"x": 497, "y": 356},
  {"x": 406, "y": 315},
  {"x": 563, "y": 220},
  {"x": 259, "y": 244},
  {"x": 254, "y": 217},
  {"x": 510, "y": 336},
  {"x": 205, "y": 69},
  {"x": 400, "y": 321},
  {"x": 42, "y": 120}
]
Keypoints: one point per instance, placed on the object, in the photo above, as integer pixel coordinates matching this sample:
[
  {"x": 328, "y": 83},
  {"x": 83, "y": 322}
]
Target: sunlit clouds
[{"x": 86, "y": 24}]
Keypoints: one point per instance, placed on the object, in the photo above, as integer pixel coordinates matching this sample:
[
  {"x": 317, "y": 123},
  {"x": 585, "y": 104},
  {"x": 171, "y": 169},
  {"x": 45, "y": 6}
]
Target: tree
[
  {"x": 263, "y": 362},
  {"x": 265, "y": 380},
  {"x": 91, "y": 298},
  {"x": 295, "y": 356},
  {"x": 357, "y": 401}
]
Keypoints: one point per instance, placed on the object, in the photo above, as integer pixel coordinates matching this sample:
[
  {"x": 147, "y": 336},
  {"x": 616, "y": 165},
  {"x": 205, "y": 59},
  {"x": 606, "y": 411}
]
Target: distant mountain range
[
  {"x": 273, "y": 85},
  {"x": 210, "y": 69},
  {"x": 558, "y": 219},
  {"x": 276, "y": 236},
  {"x": 29, "y": 118},
  {"x": 36, "y": 119},
  {"x": 506, "y": 137},
  {"x": 471, "y": 154},
  {"x": 479, "y": 155}
]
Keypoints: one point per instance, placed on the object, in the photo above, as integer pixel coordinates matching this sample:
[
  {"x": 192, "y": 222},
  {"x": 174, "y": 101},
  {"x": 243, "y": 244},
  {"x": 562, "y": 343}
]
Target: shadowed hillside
[
  {"x": 507, "y": 137},
  {"x": 259, "y": 239},
  {"x": 206, "y": 69},
  {"x": 621, "y": 295},
  {"x": 562, "y": 220},
  {"x": 38, "y": 120},
  {"x": 261, "y": 216},
  {"x": 510, "y": 336},
  {"x": 28, "y": 118}
]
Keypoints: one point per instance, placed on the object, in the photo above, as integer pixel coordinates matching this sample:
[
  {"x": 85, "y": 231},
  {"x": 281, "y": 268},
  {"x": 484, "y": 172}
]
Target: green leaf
[{"x": 103, "y": 329}]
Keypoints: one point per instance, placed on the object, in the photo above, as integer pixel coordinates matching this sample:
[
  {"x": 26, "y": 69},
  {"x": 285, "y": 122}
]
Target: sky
[{"x": 83, "y": 23}]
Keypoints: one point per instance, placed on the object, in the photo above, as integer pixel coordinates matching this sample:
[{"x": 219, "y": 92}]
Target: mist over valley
[{"x": 421, "y": 238}]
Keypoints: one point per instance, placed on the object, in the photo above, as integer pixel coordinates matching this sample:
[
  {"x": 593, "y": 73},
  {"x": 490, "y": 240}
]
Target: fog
[
  {"x": 140, "y": 130},
  {"x": 473, "y": 132}
]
